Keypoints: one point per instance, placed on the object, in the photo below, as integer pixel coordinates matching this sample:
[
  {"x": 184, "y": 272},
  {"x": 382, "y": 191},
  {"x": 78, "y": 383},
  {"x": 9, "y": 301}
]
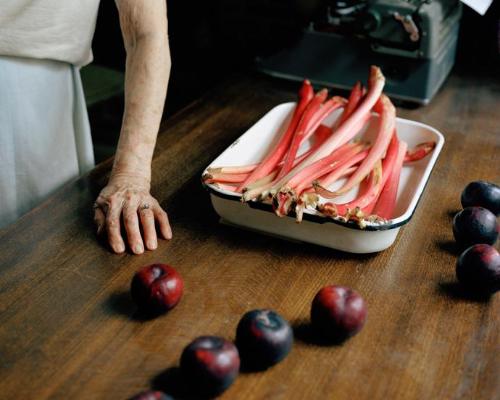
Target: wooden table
[{"x": 68, "y": 329}]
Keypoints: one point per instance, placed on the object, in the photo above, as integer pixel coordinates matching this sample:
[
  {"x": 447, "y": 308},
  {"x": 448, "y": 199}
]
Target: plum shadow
[
  {"x": 248, "y": 367},
  {"x": 451, "y": 213},
  {"x": 171, "y": 382},
  {"x": 456, "y": 291},
  {"x": 122, "y": 304},
  {"x": 305, "y": 333},
  {"x": 450, "y": 246}
]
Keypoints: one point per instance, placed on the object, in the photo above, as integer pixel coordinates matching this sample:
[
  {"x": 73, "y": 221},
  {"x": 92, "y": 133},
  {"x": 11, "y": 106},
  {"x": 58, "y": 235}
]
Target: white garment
[
  {"x": 59, "y": 30},
  {"x": 44, "y": 132}
]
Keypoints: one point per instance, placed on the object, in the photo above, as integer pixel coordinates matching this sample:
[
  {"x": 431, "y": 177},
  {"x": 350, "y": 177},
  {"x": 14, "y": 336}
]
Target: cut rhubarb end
[
  {"x": 357, "y": 208},
  {"x": 305, "y": 200},
  {"x": 327, "y": 209},
  {"x": 419, "y": 151},
  {"x": 283, "y": 201}
]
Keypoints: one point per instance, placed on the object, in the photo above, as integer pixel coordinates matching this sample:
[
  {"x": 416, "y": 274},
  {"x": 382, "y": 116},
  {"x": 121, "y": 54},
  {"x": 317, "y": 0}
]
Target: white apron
[{"x": 44, "y": 132}]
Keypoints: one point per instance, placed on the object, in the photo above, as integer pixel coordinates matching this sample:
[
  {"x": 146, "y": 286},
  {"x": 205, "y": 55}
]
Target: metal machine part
[{"x": 413, "y": 41}]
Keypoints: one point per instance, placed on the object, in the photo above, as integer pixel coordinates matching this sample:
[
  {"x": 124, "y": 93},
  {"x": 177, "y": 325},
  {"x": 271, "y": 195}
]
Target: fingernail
[
  {"x": 139, "y": 248},
  {"x": 152, "y": 245},
  {"x": 120, "y": 248}
]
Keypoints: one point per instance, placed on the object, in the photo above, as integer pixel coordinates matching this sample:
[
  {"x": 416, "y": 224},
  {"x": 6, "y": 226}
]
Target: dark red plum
[
  {"x": 478, "y": 268},
  {"x": 211, "y": 364},
  {"x": 475, "y": 225},
  {"x": 156, "y": 288},
  {"x": 152, "y": 395},
  {"x": 264, "y": 338},
  {"x": 482, "y": 194},
  {"x": 337, "y": 313}
]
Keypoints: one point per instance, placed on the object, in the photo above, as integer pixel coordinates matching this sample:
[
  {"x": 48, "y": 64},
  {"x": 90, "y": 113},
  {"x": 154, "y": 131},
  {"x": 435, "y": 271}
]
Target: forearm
[
  {"x": 146, "y": 78},
  {"x": 126, "y": 198}
]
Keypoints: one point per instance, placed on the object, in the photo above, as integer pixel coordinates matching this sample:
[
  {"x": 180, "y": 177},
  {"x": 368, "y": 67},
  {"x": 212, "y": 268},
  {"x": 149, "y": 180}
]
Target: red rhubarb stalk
[
  {"x": 306, "y": 94},
  {"x": 312, "y": 108},
  {"x": 386, "y": 202},
  {"x": 352, "y": 101}
]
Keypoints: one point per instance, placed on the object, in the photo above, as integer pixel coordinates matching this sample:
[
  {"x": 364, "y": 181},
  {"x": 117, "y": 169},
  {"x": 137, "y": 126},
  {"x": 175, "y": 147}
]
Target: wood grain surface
[{"x": 68, "y": 329}]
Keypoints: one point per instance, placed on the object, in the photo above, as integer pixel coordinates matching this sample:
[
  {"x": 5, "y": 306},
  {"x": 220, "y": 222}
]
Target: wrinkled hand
[{"x": 129, "y": 196}]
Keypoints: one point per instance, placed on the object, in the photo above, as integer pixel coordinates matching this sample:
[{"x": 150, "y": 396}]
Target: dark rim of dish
[{"x": 317, "y": 218}]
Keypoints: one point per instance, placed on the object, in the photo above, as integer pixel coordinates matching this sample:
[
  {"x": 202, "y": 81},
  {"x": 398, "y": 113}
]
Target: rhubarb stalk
[
  {"x": 306, "y": 94},
  {"x": 345, "y": 131},
  {"x": 387, "y": 200},
  {"x": 387, "y": 123}
]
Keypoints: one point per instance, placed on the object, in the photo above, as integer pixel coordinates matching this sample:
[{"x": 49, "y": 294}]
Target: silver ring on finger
[{"x": 144, "y": 206}]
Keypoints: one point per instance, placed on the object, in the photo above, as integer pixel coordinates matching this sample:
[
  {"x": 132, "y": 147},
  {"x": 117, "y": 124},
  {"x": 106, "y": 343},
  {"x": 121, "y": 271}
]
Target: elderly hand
[{"x": 129, "y": 196}]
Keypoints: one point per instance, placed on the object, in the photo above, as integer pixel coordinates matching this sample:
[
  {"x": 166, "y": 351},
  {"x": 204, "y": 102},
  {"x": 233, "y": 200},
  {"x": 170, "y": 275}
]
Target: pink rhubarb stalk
[
  {"x": 364, "y": 203},
  {"x": 319, "y": 136},
  {"x": 288, "y": 194},
  {"x": 345, "y": 131},
  {"x": 387, "y": 122},
  {"x": 224, "y": 177},
  {"x": 355, "y": 209}
]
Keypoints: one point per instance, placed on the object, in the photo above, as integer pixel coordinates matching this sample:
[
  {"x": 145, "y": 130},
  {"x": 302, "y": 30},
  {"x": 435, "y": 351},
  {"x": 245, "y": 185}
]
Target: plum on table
[
  {"x": 156, "y": 288},
  {"x": 474, "y": 225},
  {"x": 337, "y": 313},
  {"x": 264, "y": 338},
  {"x": 482, "y": 194},
  {"x": 211, "y": 364},
  {"x": 478, "y": 268},
  {"x": 152, "y": 395}
]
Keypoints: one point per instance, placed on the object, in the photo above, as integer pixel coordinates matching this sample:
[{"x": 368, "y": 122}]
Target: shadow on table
[
  {"x": 449, "y": 246},
  {"x": 304, "y": 332},
  {"x": 190, "y": 206},
  {"x": 456, "y": 291},
  {"x": 173, "y": 383},
  {"x": 121, "y": 303}
]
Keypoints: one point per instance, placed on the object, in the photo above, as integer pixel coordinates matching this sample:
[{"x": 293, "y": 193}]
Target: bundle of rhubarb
[{"x": 293, "y": 179}]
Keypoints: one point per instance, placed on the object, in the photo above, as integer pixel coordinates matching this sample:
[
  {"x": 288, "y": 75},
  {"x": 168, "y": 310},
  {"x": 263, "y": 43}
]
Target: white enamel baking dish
[{"x": 315, "y": 228}]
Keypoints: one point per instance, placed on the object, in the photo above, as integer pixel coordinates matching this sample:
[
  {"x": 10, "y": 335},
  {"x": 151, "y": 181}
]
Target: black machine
[{"x": 413, "y": 41}]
